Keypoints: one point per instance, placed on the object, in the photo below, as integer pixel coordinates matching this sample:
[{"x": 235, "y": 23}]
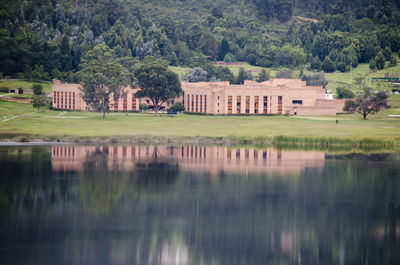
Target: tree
[
  {"x": 243, "y": 75},
  {"x": 368, "y": 102},
  {"x": 224, "y": 74},
  {"x": 328, "y": 66},
  {"x": 101, "y": 77},
  {"x": 157, "y": 83},
  {"x": 223, "y": 50},
  {"x": 263, "y": 76},
  {"x": 380, "y": 61},
  {"x": 317, "y": 79},
  {"x": 39, "y": 101},
  {"x": 315, "y": 64},
  {"x": 37, "y": 89},
  {"x": 393, "y": 60},
  {"x": 196, "y": 74},
  {"x": 343, "y": 92}
]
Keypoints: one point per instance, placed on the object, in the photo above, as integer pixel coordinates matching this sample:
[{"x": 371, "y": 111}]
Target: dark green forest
[{"x": 45, "y": 39}]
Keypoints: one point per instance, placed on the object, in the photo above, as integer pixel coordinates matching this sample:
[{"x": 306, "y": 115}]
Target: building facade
[{"x": 275, "y": 96}]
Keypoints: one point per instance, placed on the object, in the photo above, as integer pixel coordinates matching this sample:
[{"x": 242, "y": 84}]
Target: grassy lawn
[
  {"x": 25, "y": 85},
  {"x": 83, "y": 124}
]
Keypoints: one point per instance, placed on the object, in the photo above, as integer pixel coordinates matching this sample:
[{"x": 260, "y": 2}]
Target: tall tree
[
  {"x": 367, "y": 102},
  {"x": 224, "y": 49},
  {"x": 157, "y": 83},
  {"x": 101, "y": 77}
]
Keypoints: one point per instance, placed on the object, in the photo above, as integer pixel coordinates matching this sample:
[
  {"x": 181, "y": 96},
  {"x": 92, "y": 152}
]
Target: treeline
[{"x": 44, "y": 39}]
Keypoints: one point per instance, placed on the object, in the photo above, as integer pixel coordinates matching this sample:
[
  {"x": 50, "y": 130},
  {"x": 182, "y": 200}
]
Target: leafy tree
[
  {"x": 328, "y": 66},
  {"x": 223, "y": 50},
  {"x": 380, "y": 61},
  {"x": 368, "y": 102},
  {"x": 37, "y": 89},
  {"x": 39, "y": 101},
  {"x": 177, "y": 106},
  {"x": 224, "y": 74},
  {"x": 393, "y": 60},
  {"x": 217, "y": 12},
  {"x": 196, "y": 74},
  {"x": 372, "y": 64},
  {"x": 157, "y": 83},
  {"x": 317, "y": 79},
  {"x": 343, "y": 92},
  {"x": 263, "y": 76},
  {"x": 102, "y": 76},
  {"x": 315, "y": 64},
  {"x": 243, "y": 75}
]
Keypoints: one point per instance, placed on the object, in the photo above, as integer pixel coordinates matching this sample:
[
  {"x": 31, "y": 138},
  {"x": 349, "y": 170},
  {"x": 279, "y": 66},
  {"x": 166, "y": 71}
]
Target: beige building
[{"x": 276, "y": 96}]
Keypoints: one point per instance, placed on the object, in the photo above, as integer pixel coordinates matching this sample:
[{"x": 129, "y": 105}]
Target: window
[
  {"x": 188, "y": 103},
  {"x": 265, "y": 109},
  {"x": 247, "y": 104},
  {"x": 201, "y": 103},
  {"x": 229, "y": 104},
  {"x": 297, "y": 101},
  {"x": 256, "y": 104},
  {"x": 197, "y": 103},
  {"x": 125, "y": 102},
  {"x": 133, "y": 102},
  {"x": 192, "y": 103},
  {"x": 279, "y": 104},
  {"x": 205, "y": 103},
  {"x": 238, "y": 104}
]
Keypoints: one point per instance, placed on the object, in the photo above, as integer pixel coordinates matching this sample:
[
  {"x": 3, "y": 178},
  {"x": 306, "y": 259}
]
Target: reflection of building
[
  {"x": 210, "y": 159},
  {"x": 275, "y": 96}
]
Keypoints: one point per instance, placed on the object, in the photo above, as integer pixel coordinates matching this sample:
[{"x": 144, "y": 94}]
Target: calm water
[{"x": 197, "y": 205}]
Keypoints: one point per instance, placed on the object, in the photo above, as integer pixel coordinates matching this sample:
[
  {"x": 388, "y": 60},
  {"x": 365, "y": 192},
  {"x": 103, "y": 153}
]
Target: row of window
[
  {"x": 196, "y": 103},
  {"x": 256, "y": 104},
  {"x": 64, "y": 100}
]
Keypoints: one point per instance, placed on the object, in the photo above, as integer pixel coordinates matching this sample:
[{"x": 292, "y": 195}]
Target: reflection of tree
[{"x": 156, "y": 175}]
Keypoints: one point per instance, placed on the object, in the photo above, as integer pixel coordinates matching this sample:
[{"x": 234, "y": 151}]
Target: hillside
[{"x": 45, "y": 39}]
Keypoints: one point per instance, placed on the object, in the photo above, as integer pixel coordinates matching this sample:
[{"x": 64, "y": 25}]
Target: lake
[{"x": 211, "y": 205}]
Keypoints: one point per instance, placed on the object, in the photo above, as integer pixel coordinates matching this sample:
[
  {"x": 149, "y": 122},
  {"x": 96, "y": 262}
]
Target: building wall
[{"x": 275, "y": 96}]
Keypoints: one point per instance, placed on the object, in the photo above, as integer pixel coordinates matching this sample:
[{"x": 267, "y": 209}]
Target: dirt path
[{"x": 16, "y": 116}]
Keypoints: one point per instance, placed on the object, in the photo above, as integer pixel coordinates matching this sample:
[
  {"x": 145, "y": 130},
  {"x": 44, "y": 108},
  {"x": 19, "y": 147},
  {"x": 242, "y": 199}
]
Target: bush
[
  {"x": 284, "y": 74},
  {"x": 178, "y": 106},
  {"x": 4, "y": 89},
  {"x": 343, "y": 92},
  {"x": 143, "y": 107}
]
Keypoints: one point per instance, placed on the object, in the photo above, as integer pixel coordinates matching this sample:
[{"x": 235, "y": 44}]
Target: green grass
[
  {"x": 26, "y": 85},
  {"x": 132, "y": 125}
]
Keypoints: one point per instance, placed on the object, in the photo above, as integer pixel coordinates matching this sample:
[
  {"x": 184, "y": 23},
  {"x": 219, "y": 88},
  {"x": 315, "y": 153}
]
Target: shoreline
[{"x": 279, "y": 142}]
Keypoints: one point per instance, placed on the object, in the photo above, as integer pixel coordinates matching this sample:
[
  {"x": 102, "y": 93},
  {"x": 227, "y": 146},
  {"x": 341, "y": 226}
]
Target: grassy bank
[{"x": 80, "y": 126}]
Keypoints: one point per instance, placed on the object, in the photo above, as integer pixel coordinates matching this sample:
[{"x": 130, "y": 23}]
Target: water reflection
[
  {"x": 212, "y": 160},
  {"x": 197, "y": 205}
]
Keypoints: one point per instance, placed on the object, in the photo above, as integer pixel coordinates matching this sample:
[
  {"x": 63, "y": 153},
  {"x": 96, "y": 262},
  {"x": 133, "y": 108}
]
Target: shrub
[
  {"x": 143, "y": 107},
  {"x": 178, "y": 106},
  {"x": 284, "y": 74},
  {"x": 343, "y": 92}
]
